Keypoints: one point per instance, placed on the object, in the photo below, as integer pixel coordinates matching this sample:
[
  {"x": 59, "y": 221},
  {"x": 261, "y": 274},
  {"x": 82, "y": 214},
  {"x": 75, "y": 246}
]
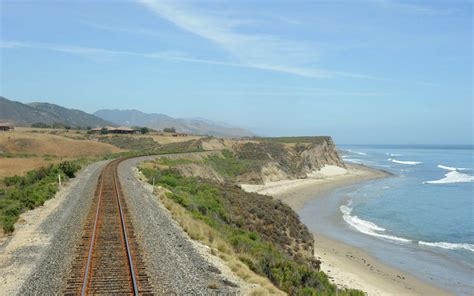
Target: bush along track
[
  {"x": 26, "y": 192},
  {"x": 21, "y": 193},
  {"x": 156, "y": 149},
  {"x": 265, "y": 234}
]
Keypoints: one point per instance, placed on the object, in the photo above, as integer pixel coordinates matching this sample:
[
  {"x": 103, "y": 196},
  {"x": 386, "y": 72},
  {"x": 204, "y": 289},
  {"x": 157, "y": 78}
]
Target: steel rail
[
  {"x": 86, "y": 278},
  {"x": 124, "y": 228},
  {"x": 91, "y": 246}
]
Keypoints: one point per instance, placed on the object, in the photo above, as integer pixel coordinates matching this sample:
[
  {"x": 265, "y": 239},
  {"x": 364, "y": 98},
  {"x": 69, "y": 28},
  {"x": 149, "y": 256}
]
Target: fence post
[{"x": 59, "y": 180}]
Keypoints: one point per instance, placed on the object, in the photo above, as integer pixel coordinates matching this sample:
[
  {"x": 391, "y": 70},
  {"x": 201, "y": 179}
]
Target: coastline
[
  {"x": 346, "y": 265},
  {"x": 296, "y": 193}
]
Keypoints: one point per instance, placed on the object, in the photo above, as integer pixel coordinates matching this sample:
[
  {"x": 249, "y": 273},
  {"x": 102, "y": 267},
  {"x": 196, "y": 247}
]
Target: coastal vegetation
[
  {"x": 245, "y": 229},
  {"x": 31, "y": 190},
  {"x": 130, "y": 143},
  {"x": 30, "y": 164},
  {"x": 230, "y": 166},
  {"x": 294, "y": 140},
  {"x": 144, "y": 148}
]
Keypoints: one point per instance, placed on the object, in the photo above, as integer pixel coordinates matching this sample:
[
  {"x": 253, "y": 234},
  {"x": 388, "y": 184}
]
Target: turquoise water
[{"x": 420, "y": 220}]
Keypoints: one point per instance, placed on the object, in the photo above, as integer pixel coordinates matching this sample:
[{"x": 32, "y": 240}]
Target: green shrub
[
  {"x": 32, "y": 190},
  {"x": 40, "y": 125},
  {"x": 69, "y": 168},
  {"x": 8, "y": 224},
  {"x": 210, "y": 203},
  {"x": 9, "y": 181},
  {"x": 230, "y": 166},
  {"x": 174, "y": 161}
]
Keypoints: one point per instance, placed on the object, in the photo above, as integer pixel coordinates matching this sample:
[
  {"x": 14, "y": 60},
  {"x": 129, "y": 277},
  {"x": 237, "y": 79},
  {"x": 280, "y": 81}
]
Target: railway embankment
[
  {"x": 34, "y": 259},
  {"x": 176, "y": 265}
]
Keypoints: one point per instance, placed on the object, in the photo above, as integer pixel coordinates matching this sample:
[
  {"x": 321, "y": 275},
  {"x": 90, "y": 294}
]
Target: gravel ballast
[
  {"x": 173, "y": 263},
  {"x": 38, "y": 255}
]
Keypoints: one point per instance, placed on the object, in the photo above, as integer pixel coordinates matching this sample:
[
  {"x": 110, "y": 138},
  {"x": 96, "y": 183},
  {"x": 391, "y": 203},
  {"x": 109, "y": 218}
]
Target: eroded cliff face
[
  {"x": 267, "y": 160},
  {"x": 319, "y": 155},
  {"x": 280, "y": 161}
]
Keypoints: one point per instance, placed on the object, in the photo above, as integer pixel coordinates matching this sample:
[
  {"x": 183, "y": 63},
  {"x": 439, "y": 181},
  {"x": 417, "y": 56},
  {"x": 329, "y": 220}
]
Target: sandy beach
[{"x": 347, "y": 266}]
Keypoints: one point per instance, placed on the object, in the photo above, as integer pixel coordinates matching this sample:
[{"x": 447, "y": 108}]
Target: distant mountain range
[
  {"x": 27, "y": 114},
  {"x": 21, "y": 114},
  {"x": 198, "y": 126}
]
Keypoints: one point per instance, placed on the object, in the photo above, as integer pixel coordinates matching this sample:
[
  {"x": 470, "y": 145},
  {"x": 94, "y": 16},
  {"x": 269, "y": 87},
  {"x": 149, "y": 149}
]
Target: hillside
[
  {"x": 259, "y": 162},
  {"x": 23, "y": 150},
  {"x": 27, "y": 114},
  {"x": 248, "y": 230},
  {"x": 159, "y": 121}
]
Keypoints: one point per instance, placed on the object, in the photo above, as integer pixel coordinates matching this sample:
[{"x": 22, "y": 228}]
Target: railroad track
[{"x": 108, "y": 260}]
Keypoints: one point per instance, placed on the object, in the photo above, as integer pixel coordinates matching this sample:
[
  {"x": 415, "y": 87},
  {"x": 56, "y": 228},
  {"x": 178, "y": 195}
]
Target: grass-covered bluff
[{"x": 261, "y": 232}]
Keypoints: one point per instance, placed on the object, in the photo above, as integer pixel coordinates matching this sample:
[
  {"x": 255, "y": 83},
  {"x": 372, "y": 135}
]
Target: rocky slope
[
  {"x": 281, "y": 161},
  {"x": 265, "y": 160}
]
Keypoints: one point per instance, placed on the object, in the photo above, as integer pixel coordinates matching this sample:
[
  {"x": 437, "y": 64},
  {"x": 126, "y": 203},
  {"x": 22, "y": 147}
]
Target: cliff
[
  {"x": 257, "y": 161},
  {"x": 280, "y": 159}
]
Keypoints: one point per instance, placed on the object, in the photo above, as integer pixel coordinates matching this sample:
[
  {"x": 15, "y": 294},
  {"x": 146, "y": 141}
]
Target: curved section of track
[{"x": 108, "y": 259}]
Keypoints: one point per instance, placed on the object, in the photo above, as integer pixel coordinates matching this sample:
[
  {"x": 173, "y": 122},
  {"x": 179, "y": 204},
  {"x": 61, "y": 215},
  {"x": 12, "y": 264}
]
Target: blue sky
[{"x": 362, "y": 71}]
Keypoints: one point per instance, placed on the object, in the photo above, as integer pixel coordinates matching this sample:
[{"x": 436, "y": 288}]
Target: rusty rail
[{"x": 108, "y": 260}]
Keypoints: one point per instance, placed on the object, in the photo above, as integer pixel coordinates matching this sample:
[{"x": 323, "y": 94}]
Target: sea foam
[
  {"x": 356, "y": 152},
  {"x": 367, "y": 227},
  {"x": 449, "y": 246},
  {"x": 404, "y": 162},
  {"x": 444, "y": 167},
  {"x": 393, "y": 154},
  {"x": 453, "y": 177},
  {"x": 354, "y": 160},
  {"x": 373, "y": 229}
]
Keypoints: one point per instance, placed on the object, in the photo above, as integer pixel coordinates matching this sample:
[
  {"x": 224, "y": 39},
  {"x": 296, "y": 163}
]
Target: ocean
[{"x": 420, "y": 220}]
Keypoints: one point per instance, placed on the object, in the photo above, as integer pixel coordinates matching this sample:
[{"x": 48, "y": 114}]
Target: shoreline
[
  {"x": 347, "y": 266},
  {"x": 296, "y": 193}
]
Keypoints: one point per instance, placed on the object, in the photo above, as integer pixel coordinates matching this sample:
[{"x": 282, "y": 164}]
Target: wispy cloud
[
  {"x": 259, "y": 51},
  {"x": 177, "y": 57},
  {"x": 100, "y": 52},
  {"x": 61, "y": 48}
]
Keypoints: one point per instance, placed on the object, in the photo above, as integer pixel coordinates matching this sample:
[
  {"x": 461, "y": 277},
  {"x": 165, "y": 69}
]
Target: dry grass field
[
  {"x": 46, "y": 144},
  {"x": 19, "y": 166},
  {"x": 26, "y": 149},
  {"x": 23, "y": 150}
]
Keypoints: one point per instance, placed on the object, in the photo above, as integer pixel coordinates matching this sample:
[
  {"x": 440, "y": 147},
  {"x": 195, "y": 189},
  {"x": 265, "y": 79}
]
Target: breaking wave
[
  {"x": 404, "y": 162},
  {"x": 393, "y": 154},
  {"x": 354, "y": 160},
  {"x": 449, "y": 246},
  {"x": 373, "y": 229},
  {"x": 453, "y": 177},
  {"x": 451, "y": 168},
  {"x": 366, "y": 227},
  {"x": 356, "y": 152}
]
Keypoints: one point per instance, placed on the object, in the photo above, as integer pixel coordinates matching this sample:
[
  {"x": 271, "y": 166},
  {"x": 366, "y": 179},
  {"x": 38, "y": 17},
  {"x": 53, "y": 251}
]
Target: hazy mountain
[
  {"x": 27, "y": 114},
  {"x": 157, "y": 121}
]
